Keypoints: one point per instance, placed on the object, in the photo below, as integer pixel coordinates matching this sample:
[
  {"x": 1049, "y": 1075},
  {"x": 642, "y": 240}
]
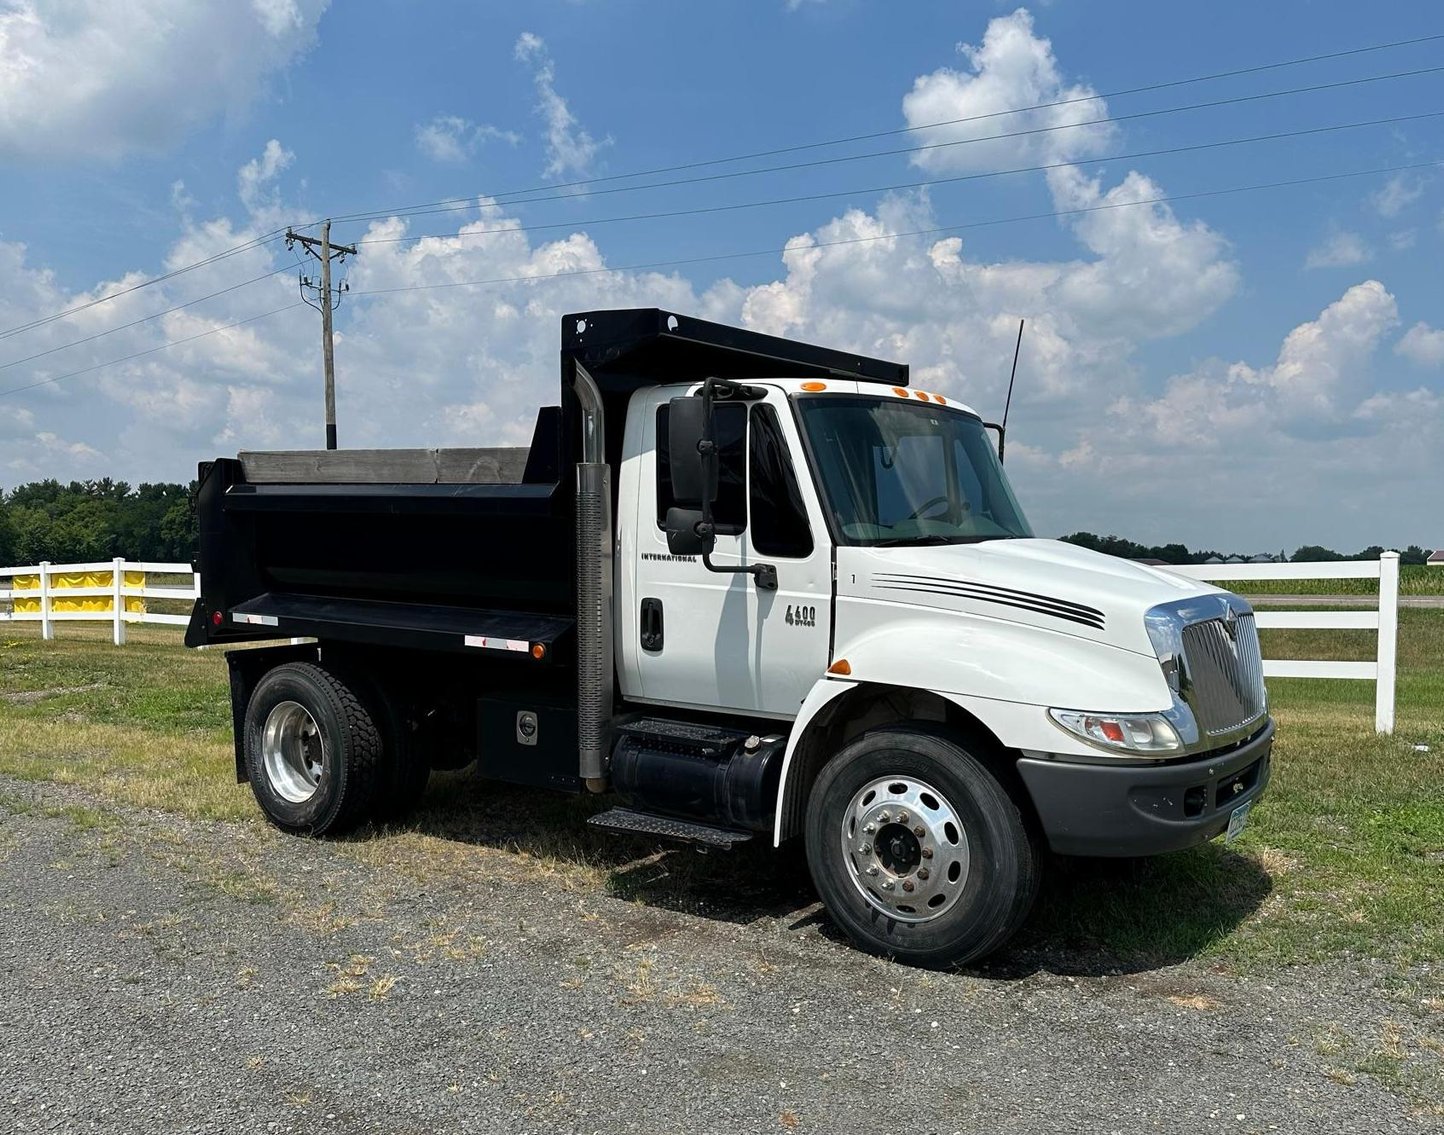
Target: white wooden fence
[
  {"x": 1384, "y": 619},
  {"x": 117, "y": 590}
]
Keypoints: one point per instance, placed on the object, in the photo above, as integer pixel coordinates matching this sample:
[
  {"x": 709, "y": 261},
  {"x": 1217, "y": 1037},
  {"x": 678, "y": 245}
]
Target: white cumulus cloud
[
  {"x": 83, "y": 79},
  {"x": 1422, "y": 344},
  {"x": 1012, "y": 68}
]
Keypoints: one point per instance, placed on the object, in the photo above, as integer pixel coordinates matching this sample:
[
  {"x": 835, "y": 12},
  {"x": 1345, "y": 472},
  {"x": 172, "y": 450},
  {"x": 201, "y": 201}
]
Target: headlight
[{"x": 1143, "y": 733}]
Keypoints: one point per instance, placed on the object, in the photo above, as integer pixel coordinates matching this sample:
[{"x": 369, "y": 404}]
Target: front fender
[{"x": 1006, "y": 675}]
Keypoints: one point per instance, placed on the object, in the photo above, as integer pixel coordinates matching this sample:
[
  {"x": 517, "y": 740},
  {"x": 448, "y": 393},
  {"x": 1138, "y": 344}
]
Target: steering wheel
[{"x": 925, "y": 506}]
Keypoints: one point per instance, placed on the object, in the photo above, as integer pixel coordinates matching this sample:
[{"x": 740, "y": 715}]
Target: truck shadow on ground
[{"x": 1093, "y": 916}]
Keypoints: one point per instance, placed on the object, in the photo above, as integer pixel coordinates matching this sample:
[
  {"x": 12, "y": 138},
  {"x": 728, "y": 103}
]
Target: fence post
[
  {"x": 1388, "y": 642},
  {"x": 117, "y": 612},
  {"x": 47, "y": 628}
]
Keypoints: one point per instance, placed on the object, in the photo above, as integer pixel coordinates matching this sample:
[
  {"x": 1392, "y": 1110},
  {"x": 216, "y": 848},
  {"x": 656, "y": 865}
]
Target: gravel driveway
[{"x": 162, "y": 975}]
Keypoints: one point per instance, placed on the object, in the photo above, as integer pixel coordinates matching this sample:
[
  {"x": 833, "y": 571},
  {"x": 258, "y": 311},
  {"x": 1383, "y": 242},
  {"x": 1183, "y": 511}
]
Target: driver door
[{"x": 725, "y": 644}]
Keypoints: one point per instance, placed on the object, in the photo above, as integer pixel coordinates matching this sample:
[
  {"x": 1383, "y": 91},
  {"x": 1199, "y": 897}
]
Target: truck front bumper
[{"x": 1121, "y": 809}]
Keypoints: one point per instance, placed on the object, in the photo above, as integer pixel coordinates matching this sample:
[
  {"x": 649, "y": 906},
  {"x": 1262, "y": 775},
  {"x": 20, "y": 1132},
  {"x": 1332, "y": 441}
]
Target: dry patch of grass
[{"x": 1198, "y": 1002}]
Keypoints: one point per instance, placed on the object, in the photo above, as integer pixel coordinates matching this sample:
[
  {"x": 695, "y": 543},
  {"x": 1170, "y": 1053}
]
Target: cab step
[
  {"x": 666, "y": 734},
  {"x": 668, "y": 827}
]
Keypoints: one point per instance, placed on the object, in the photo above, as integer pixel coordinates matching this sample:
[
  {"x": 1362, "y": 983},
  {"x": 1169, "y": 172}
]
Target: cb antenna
[{"x": 1008, "y": 403}]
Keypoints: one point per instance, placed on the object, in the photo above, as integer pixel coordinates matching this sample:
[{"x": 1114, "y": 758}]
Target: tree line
[
  {"x": 86, "y": 521},
  {"x": 1182, "y": 554}
]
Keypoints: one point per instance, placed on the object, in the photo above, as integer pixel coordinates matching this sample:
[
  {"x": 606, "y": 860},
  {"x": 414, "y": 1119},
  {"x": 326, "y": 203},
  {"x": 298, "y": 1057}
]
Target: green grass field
[
  {"x": 1344, "y": 856},
  {"x": 1414, "y": 579}
]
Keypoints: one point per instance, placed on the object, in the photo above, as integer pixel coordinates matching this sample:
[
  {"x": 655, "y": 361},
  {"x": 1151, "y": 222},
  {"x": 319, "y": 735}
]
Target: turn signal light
[
  {"x": 814, "y": 386},
  {"x": 841, "y": 666}
]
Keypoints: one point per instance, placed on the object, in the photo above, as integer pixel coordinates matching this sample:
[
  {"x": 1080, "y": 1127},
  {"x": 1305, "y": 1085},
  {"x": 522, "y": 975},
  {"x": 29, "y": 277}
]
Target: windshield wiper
[{"x": 918, "y": 541}]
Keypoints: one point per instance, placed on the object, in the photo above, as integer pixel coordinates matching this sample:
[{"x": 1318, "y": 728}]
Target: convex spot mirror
[
  {"x": 683, "y": 537},
  {"x": 694, "y": 472}
]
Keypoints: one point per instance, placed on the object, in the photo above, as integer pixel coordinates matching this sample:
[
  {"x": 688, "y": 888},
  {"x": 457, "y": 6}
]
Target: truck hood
[{"x": 1041, "y": 583}]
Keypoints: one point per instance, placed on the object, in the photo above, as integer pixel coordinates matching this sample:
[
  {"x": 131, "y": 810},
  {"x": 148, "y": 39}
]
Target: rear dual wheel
[
  {"x": 324, "y": 751},
  {"x": 917, "y": 851}
]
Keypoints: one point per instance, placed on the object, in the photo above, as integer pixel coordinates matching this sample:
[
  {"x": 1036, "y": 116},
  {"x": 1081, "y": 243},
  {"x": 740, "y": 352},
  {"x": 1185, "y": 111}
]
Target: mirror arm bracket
[{"x": 765, "y": 575}]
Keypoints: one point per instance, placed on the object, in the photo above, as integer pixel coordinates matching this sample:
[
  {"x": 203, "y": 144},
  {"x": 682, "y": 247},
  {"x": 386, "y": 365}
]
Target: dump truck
[{"x": 752, "y": 590}]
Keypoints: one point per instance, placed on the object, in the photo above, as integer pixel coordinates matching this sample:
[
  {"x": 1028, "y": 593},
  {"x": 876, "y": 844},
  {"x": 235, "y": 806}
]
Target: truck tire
[
  {"x": 406, "y": 775},
  {"x": 917, "y": 851},
  {"x": 314, "y": 753}
]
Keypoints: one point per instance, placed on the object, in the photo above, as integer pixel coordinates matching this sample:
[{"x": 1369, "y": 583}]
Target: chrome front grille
[{"x": 1224, "y": 667}]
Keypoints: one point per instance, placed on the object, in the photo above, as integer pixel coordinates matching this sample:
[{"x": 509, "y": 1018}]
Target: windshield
[{"x": 897, "y": 472}]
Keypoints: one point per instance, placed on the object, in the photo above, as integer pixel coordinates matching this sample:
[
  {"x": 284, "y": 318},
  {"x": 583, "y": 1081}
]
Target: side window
[
  {"x": 779, "y": 520},
  {"x": 729, "y": 513}
]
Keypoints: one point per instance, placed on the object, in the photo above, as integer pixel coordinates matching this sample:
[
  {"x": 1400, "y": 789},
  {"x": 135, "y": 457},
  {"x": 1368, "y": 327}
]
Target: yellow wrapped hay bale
[{"x": 63, "y": 581}]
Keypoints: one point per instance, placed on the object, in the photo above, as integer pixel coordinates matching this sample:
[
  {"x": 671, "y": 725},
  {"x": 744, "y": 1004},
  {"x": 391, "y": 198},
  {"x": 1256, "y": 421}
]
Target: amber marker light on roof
[
  {"x": 899, "y": 391},
  {"x": 940, "y": 400},
  {"x": 814, "y": 386},
  {"x": 923, "y": 394},
  {"x": 841, "y": 666}
]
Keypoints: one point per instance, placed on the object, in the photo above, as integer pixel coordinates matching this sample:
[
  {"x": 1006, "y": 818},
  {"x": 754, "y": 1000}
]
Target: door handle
[{"x": 651, "y": 624}]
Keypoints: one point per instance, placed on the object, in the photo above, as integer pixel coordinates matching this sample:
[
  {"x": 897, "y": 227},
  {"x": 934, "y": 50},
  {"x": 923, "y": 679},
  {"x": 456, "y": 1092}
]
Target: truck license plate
[{"x": 1236, "y": 822}]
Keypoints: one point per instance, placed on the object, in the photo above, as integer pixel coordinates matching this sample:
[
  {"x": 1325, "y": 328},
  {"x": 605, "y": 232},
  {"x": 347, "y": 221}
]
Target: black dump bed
[{"x": 453, "y": 549}]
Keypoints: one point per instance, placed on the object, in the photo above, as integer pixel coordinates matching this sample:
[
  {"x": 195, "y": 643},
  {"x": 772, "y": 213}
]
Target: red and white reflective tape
[{"x": 497, "y": 643}]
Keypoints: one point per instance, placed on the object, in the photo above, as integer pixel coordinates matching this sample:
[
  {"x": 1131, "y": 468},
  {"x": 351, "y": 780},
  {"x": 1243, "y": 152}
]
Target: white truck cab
[{"x": 806, "y": 604}]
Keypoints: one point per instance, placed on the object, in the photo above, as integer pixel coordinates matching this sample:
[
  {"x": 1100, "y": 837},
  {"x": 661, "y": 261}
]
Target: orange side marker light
[
  {"x": 814, "y": 386},
  {"x": 841, "y": 666}
]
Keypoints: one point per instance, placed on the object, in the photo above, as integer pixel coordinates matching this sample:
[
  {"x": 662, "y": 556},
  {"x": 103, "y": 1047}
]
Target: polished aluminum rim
[
  {"x": 293, "y": 752},
  {"x": 906, "y": 851}
]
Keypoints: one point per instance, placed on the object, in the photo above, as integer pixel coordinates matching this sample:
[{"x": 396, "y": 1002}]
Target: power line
[
  {"x": 256, "y": 242},
  {"x": 703, "y": 210},
  {"x": 452, "y": 204},
  {"x": 152, "y": 350},
  {"x": 936, "y": 231},
  {"x": 925, "y": 183},
  {"x": 144, "y": 319},
  {"x": 1164, "y": 199}
]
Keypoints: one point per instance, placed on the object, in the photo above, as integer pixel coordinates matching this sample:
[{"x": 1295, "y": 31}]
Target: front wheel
[{"x": 917, "y": 850}]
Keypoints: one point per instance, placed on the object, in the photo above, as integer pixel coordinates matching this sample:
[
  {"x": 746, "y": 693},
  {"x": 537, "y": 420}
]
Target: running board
[{"x": 668, "y": 827}]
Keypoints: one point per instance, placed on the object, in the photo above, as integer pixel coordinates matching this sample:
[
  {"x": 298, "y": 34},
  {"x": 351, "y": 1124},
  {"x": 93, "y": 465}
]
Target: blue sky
[{"x": 1254, "y": 371}]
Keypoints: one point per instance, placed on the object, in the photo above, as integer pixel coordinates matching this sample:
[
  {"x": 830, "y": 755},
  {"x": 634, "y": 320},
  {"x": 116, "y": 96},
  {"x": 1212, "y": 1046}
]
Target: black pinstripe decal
[{"x": 1003, "y": 596}]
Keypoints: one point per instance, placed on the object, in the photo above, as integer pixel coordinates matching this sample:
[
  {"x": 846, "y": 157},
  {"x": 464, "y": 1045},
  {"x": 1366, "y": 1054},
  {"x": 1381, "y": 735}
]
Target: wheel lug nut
[
  {"x": 887, "y": 884},
  {"x": 920, "y": 831},
  {"x": 872, "y": 870},
  {"x": 922, "y": 872},
  {"x": 864, "y": 849},
  {"x": 927, "y": 853},
  {"x": 907, "y": 884},
  {"x": 869, "y": 828},
  {"x": 882, "y": 817},
  {"x": 902, "y": 817}
]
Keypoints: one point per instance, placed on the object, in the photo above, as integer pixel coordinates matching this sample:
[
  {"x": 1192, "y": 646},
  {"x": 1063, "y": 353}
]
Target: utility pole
[{"x": 327, "y": 251}]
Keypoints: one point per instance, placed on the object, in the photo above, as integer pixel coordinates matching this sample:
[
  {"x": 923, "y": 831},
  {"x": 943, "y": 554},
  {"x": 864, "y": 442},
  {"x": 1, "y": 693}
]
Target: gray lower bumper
[{"x": 1126, "y": 809}]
